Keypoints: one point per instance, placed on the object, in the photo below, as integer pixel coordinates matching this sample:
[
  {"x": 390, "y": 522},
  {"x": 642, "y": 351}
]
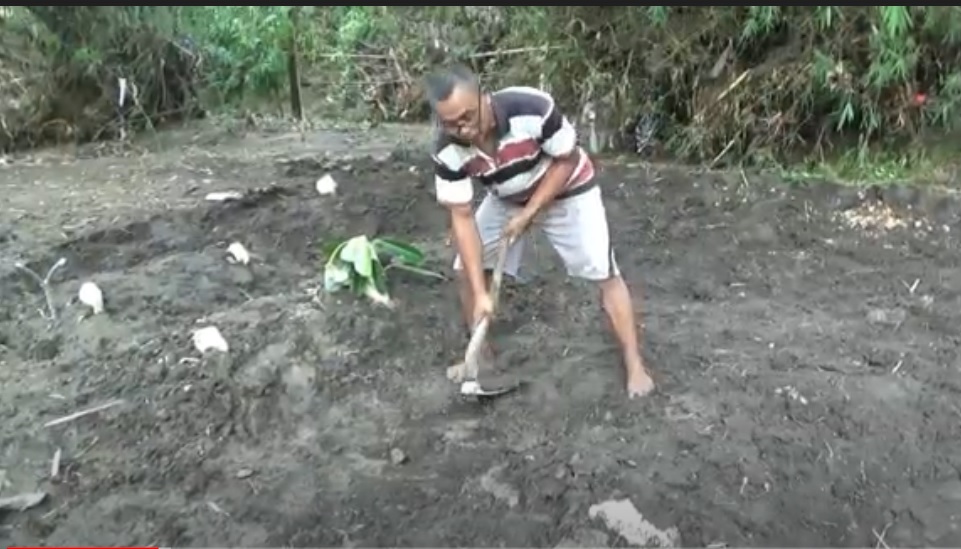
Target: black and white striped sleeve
[
  {"x": 558, "y": 137},
  {"x": 452, "y": 183},
  {"x": 534, "y": 112}
]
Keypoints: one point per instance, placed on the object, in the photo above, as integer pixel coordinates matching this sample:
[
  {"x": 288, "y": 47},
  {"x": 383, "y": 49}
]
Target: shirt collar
[{"x": 503, "y": 124}]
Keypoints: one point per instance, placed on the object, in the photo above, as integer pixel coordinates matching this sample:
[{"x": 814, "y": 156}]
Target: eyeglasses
[{"x": 467, "y": 119}]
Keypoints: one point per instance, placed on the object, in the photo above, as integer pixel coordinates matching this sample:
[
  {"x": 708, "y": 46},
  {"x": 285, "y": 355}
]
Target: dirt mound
[{"x": 806, "y": 371}]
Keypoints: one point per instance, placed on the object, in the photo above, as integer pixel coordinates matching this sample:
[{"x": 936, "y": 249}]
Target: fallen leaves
[
  {"x": 877, "y": 217},
  {"x": 874, "y": 215}
]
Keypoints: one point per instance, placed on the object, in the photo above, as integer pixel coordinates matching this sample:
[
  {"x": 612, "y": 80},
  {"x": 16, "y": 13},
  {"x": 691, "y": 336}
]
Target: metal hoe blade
[{"x": 474, "y": 389}]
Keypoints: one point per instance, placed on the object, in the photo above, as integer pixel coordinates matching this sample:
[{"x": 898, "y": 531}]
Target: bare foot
[
  {"x": 457, "y": 372},
  {"x": 639, "y": 382}
]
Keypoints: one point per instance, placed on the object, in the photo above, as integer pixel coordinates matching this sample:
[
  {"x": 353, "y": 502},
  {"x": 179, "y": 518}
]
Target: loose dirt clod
[
  {"x": 501, "y": 491},
  {"x": 622, "y": 517}
]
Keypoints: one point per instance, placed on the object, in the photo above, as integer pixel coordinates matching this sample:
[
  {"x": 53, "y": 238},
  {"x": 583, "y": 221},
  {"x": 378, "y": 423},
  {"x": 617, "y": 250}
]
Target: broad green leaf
[
  {"x": 357, "y": 282},
  {"x": 364, "y": 265},
  {"x": 402, "y": 251},
  {"x": 353, "y": 248},
  {"x": 361, "y": 254},
  {"x": 336, "y": 276}
]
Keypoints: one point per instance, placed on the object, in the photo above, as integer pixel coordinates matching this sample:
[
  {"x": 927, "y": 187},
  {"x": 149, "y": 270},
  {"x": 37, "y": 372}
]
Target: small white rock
[
  {"x": 326, "y": 185},
  {"x": 397, "y": 456},
  {"x": 91, "y": 296},
  {"x": 209, "y": 338},
  {"x": 224, "y": 196},
  {"x": 238, "y": 253}
]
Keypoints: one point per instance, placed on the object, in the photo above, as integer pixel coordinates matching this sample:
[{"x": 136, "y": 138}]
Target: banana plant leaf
[
  {"x": 361, "y": 254},
  {"x": 400, "y": 252}
]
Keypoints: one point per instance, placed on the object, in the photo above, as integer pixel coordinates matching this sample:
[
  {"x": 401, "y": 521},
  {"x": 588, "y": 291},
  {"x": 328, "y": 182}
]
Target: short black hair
[{"x": 440, "y": 84}]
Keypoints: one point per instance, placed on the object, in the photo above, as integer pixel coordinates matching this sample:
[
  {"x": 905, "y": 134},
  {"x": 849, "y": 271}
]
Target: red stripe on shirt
[
  {"x": 517, "y": 150},
  {"x": 583, "y": 174},
  {"x": 477, "y": 166}
]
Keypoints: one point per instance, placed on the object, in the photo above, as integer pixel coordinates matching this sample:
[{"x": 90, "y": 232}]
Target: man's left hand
[{"x": 517, "y": 225}]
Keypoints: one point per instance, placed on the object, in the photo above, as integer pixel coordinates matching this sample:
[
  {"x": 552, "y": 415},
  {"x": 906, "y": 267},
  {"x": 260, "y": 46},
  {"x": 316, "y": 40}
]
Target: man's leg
[
  {"x": 577, "y": 228},
  {"x": 491, "y": 216}
]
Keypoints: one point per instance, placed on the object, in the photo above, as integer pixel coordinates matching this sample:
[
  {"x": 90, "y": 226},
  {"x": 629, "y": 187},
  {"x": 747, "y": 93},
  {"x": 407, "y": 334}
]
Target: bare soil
[{"x": 805, "y": 340}]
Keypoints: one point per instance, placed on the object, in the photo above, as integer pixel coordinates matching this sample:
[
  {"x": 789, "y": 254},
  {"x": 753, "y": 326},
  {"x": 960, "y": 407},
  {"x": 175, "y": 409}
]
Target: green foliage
[
  {"x": 795, "y": 78},
  {"x": 246, "y": 47},
  {"x": 729, "y": 83},
  {"x": 357, "y": 264}
]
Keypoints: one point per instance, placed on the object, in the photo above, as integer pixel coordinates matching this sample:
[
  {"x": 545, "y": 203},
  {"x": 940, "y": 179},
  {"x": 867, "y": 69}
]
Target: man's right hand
[{"x": 483, "y": 307}]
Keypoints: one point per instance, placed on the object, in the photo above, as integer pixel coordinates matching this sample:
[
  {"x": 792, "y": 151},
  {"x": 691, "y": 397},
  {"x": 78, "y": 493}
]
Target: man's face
[{"x": 460, "y": 114}]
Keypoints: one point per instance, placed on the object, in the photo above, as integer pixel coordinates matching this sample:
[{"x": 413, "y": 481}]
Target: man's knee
[{"x": 611, "y": 285}]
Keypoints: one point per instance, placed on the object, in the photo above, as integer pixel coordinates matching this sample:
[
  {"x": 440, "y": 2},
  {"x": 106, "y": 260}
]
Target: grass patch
[{"x": 935, "y": 165}]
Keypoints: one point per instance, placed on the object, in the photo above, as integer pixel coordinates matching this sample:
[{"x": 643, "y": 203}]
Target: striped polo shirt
[{"x": 530, "y": 132}]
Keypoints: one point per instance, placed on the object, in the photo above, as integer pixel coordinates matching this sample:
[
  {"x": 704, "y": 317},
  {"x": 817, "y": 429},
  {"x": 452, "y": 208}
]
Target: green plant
[
  {"x": 245, "y": 47},
  {"x": 724, "y": 85},
  {"x": 357, "y": 264}
]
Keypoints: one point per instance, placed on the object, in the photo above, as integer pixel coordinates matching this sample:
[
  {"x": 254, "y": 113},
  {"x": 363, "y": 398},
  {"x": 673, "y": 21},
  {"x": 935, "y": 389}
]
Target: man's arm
[
  {"x": 469, "y": 246},
  {"x": 455, "y": 191},
  {"x": 558, "y": 140}
]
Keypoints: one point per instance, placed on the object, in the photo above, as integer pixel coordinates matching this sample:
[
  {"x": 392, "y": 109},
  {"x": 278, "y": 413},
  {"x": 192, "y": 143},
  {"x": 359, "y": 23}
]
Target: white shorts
[{"x": 576, "y": 227}]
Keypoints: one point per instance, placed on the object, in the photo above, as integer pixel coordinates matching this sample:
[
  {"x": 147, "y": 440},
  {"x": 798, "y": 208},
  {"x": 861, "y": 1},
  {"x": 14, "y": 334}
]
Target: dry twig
[
  {"x": 82, "y": 413},
  {"x": 44, "y": 282}
]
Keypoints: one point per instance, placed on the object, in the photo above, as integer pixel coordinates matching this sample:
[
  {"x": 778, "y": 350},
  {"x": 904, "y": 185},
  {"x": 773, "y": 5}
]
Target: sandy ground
[{"x": 805, "y": 340}]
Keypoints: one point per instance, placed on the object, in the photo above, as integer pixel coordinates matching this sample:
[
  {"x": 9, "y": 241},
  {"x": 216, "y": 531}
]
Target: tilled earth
[{"x": 805, "y": 341}]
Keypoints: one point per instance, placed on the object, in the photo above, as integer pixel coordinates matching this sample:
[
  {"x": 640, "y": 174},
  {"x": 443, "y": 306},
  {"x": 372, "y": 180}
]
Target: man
[{"x": 524, "y": 151}]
